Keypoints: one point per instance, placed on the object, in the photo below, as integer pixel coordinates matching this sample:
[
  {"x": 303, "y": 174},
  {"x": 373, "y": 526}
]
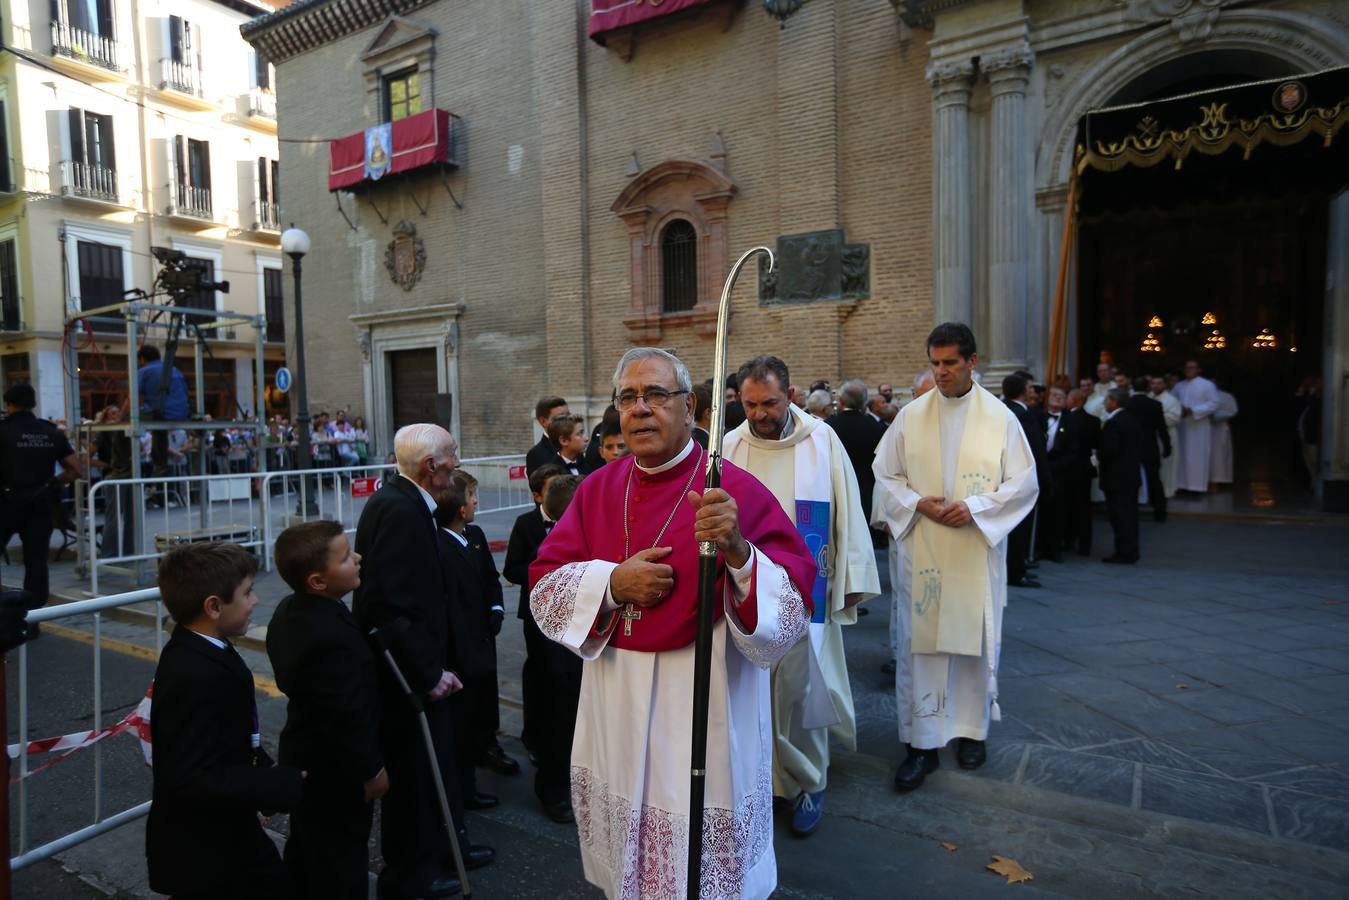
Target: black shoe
[
  {"x": 560, "y": 812},
  {"x": 888, "y": 668},
  {"x": 496, "y": 759},
  {"x": 970, "y": 754},
  {"x": 1026, "y": 581},
  {"x": 478, "y": 855},
  {"x": 916, "y": 766},
  {"x": 480, "y": 800},
  {"x": 863, "y": 611},
  {"x": 444, "y": 886}
]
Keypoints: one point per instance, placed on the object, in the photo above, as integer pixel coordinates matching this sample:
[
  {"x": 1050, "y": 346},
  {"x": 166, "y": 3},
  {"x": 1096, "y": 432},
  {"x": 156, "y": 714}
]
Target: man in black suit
[
  {"x": 735, "y": 410},
  {"x": 1148, "y": 412},
  {"x": 593, "y": 459},
  {"x": 1120, "y": 455},
  {"x": 402, "y": 579},
  {"x": 702, "y": 414},
  {"x": 544, "y": 450},
  {"x": 1086, "y": 431},
  {"x": 859, "y": 434},
  {"x": 1019, "y": 541},
  {"x": 1062, "y": 456}
]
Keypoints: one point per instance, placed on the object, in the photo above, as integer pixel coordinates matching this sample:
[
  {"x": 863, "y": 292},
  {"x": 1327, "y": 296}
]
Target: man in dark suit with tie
[
  {"x": 1019, "y": 541},
  {"x": 402, "y": 579},
  {"x": 1086, "y": 431},
  {"x": 544, "y": 450},
  {"x": 1148, "y": 413},
  {"x": 1062, "y": 456},
  {"x": 1120, "y": 454},
  {"x": 859, "y": 433}
]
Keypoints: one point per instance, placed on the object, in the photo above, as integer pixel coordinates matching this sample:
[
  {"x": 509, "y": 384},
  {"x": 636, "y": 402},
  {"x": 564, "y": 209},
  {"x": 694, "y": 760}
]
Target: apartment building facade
[{"x": 129, "y": 125}]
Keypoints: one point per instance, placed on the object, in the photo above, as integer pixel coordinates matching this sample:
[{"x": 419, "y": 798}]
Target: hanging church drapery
[{"x": 1281, "y": 112}]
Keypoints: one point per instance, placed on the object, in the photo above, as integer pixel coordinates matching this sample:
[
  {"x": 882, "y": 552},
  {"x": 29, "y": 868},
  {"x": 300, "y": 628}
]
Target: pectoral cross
[{"x": 628, "y": 614}]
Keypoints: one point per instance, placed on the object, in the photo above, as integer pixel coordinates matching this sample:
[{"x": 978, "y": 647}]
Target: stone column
[
  {"x": 952, "y": 212},
  {"x": 1011, "y": 203}
]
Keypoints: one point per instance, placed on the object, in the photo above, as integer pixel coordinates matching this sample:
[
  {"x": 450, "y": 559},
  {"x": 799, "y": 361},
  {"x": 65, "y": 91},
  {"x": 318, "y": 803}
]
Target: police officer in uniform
[{"x": 30, "y": 449}]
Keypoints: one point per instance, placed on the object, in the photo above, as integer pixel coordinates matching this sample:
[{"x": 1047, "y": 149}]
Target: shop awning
[
  {"x": 1237, "y": 119},
  {"x": 610, "y": 15},
  {"x": 418, "y": 141}
]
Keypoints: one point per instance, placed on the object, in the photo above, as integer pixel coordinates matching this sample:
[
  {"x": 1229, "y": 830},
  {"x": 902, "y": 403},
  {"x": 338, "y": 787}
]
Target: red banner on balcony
[
  {"x": 419, "y": 140},
  {"x": 608, "y": 15}
]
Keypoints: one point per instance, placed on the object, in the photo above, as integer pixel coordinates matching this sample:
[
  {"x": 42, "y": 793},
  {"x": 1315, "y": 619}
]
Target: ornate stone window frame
[
  {"x": 400, "y": 44},
  {"x": 688, "y": 189}
]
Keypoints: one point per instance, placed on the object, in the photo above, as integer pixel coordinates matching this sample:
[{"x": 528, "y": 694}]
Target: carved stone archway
[{"x": 688, "y": 189}]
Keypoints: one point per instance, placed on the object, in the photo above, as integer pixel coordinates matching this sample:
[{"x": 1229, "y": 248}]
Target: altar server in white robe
[
  {"x": 1220, "y": 458},
  {"x": 616, "y": 581},
  {"x": 803, "y": 462},
  {"x": 1171, "y": 415},
  {"x": 1198, "y": 401},
  {"x": 954, "y": 475}
]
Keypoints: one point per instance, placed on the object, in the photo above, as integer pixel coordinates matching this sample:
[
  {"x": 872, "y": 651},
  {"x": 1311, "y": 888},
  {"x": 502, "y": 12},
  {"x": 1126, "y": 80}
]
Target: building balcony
[
  {"x": 90, "y": 182},
  {"x": 266, "y": 216},
  {"x": 83, "y": 47},
  {"x": 262, "y": 104},
  {"x": 191, "y": 203},
  {"x": 184, "y": 78}
]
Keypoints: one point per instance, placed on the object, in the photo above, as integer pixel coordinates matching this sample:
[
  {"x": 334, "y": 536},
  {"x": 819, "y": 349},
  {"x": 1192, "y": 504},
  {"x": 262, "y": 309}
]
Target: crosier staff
[{"x": 707, "y": 588}]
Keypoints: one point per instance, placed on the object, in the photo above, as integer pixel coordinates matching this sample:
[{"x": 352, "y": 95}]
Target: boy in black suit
[
  {"x": 326, "y": 669},
  {"x": 552, "y": 673},
  {"x": 474, "y": 624},
  {"x": 211, "y": 776}
]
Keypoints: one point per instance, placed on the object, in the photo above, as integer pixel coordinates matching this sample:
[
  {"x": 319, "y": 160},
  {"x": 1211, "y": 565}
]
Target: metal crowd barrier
[
  {"x": 101, "y": 824},
  {"x": 145, "y": 517}
]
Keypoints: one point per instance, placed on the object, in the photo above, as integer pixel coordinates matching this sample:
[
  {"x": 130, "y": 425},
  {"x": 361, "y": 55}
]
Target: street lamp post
[{"x": 295, "y": 244}]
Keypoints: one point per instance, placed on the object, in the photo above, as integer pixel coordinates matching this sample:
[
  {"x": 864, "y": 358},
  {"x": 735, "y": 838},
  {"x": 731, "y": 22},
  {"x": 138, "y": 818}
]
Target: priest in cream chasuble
[
  {"x": 616, "y": 581},
  {"x": 954, "y": 475},
  {"x": 802, "y": 461}
]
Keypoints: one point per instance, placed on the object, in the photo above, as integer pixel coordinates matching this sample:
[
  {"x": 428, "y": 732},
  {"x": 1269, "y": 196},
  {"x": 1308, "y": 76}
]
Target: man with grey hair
[
  {"x": 922, "y": 383},
  {"x": 402, "y": 582},
  {"x": 859, "y": 434},
  {"x": 1120, "y": 455},
  {"x": 616, "y": 582},
  {"x": 819, "y": 404}
]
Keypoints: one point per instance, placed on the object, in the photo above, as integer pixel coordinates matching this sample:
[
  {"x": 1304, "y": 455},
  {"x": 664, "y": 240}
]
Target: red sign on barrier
[
  {"x": 364, "y": 487},
  {"x": 517, "y": 473}
]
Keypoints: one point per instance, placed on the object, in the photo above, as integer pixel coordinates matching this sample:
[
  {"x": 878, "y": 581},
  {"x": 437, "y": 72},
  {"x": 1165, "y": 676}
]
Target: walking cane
[
  {"x": 385, "y": 638},
  {"x": 707, "y": 588}
]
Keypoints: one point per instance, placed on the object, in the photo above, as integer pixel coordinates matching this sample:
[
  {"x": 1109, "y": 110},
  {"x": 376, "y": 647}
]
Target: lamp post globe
[{"x": 295, "y": 244}]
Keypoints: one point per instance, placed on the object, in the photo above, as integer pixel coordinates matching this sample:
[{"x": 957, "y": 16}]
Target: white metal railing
[
  {"x": 266, "y": 216},
  {"x": 262, "y": 103},
  {"x": 192, "y": 201},
  {"x": 100, "y": 824},
  {"x": 185, "y": 78},
  {"x": 85, "y": 180},
  {"x": 76, "y": 43},
  {"x": 144, "y": 518}
]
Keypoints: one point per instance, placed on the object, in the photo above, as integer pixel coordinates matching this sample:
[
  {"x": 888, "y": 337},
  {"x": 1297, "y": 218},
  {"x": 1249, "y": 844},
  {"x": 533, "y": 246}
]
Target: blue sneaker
[{"x": 808, "y": 812}]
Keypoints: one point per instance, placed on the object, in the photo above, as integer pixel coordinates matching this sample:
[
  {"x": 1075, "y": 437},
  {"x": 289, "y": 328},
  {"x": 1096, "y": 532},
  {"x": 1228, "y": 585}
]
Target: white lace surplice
[{"x": 630, "y": 757}]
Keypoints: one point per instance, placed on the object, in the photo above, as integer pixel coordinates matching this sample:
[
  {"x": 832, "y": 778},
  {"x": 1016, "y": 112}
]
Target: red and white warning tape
[{"x": 138, "y": 720}]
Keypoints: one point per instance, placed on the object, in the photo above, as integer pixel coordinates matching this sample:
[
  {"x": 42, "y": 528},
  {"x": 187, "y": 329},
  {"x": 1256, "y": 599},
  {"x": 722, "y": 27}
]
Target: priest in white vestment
[
  {"x": 1198, "y": 401},
  {"x": 1220, "y": 457},
  {"x": 954, "y": 475},
  {"x": 616, "y": 581},
  {"x": 802, "y": 461},
  {"x": 1171, "y": 415}
]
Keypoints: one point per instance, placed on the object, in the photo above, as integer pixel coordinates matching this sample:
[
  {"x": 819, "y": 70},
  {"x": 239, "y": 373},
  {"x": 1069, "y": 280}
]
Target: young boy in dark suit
[
  {"x": 326, "y": 669},
  {"x": 538, "y": 735},
  {"x": 203, "y": 839}
]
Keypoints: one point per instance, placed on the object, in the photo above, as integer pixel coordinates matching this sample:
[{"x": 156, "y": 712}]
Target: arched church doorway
[{"x": 1203, "y": 228}]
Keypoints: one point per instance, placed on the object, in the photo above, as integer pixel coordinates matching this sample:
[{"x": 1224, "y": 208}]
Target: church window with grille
[{"x": 679, "y": 267}]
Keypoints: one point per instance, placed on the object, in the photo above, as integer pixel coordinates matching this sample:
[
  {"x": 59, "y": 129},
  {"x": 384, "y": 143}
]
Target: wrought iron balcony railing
[
  {"x": 266, "y": 216},
  {"x": 184, "y": 78},
  {"x": 94, "y": 182},
  {"x": 194, "y": 202},
  {"x": 262, "y": 103},
  {"x": 76, "y": 43}
]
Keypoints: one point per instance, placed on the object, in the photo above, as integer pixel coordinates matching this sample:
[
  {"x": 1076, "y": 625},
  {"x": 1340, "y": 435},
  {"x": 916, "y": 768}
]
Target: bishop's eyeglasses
[{"x": 654, "y": 398}]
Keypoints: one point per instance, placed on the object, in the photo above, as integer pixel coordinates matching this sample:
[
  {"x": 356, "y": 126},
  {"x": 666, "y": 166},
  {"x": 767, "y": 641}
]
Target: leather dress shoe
[
  {"x": 560, "y": 812},
  {"x": 863, "y": 611},
  {"x": 888, "y": 667},
  {"x": 916, "y": 767},
  {"x": 442, "y": 886},
  {"x": 1026, "y": 581},
  {"x": 970, "y": 754},
  {"x": 495, "y": 758},
  {"x": 480, "y": 800},
  {"x": 478, "y": 855}
]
